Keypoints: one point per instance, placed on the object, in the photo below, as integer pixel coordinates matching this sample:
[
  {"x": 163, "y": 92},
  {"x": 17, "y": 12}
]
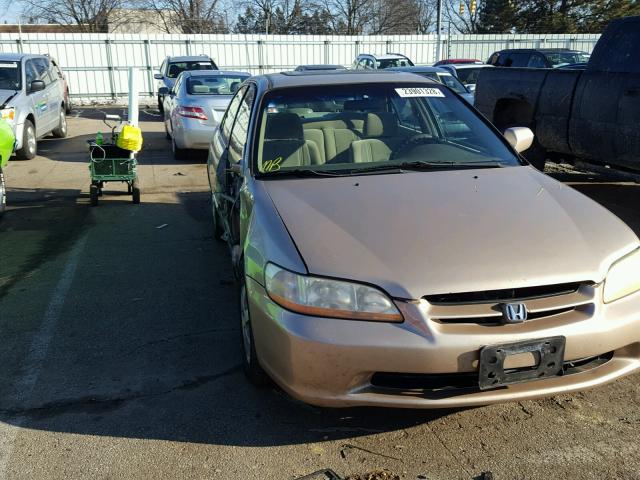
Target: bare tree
[
  {"x": 350, "y": 17},
  {"x": 188, "y": 16},
  {"x": 89, "y": 16},
  {"x": 465, "y": 22},
  {"x": 426, "y": 12}
]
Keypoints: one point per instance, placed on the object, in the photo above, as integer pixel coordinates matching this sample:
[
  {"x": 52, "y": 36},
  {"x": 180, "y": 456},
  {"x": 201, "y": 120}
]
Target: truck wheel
[
  {"x": 3, "y": 194},
  {"x": 250, "y": 364},
  {"x": 160, "y": 106},
  {"x": 536, "y": 155},
  {"x": 61, "y": 130},
  {"x": 93, "y": 195},
  {"x": 135, "y": 191},
  {"x": 29, "y": 144}
]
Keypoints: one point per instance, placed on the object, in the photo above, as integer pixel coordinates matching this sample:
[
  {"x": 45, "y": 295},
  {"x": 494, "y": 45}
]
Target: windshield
[
  {"x": 468, "y": 76},
  {"x": 10, "y": 78},
  {"x": 215, "y": 84},
  {"x": 394, "y": 62},
  {"x": 177, "y": 68},
  {"x": 447, "y": 79},
  {"x": 566, "y": 58},
  {"x": 347, "y": 129}
]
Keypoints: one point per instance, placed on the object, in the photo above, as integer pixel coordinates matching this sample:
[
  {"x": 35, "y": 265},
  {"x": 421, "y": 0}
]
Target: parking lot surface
[{"x": 120, "y": 351}]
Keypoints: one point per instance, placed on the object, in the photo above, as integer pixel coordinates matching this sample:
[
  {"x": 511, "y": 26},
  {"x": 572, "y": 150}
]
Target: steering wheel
[{"x": 413, "y": 142}]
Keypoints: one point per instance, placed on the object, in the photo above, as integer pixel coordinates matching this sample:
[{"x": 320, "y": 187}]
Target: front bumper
[{"x": 330, "y": 362}]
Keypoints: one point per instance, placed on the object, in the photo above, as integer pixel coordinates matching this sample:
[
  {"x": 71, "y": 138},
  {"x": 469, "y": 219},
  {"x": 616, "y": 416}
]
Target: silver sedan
[{"x": 195, "y": 106}]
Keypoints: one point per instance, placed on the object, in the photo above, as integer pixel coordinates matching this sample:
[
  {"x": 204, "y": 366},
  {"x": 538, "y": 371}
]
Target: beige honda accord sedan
[{"x": 393, "y": 249}]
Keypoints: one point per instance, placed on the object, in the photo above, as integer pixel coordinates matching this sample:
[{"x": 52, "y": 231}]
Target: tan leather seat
[
  {"x": 285, "y": 145},
  {"x": 381, "y": 137}
]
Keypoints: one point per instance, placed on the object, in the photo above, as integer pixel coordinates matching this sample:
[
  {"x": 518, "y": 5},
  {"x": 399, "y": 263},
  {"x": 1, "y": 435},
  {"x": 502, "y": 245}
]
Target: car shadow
[
  {"x": 154, "y": 150},
  {"x": 149, "y": 346}
]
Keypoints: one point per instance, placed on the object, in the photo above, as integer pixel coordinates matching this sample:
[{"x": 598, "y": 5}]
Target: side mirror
[
  {"x": 157, "y": 76},
  {"x": 520, "y": 138},
  {"x": 471, "y": 87},
  {"x": 36, "y": 86},
  {"x": 163, "y": 91}
]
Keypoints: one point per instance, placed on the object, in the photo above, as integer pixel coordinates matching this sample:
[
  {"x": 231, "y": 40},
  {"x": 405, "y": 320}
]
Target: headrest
[
  {"x": 381, "y": 124},
  {"x": 200, "y": 89},
  {"x": 283, "y": 126}
]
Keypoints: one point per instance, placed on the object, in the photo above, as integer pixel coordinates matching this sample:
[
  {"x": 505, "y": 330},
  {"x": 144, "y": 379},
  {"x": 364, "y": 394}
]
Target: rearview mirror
[
  {"x": 36, "y": 86},
  {"x": 163, "y": 91},
  {"x": 157, "y": 76},
  {"x": 520, "y": 138}
]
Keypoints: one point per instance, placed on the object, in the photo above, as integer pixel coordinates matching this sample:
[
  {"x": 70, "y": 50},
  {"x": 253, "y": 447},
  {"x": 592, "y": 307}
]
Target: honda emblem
[{"x": 513, "y": 312}]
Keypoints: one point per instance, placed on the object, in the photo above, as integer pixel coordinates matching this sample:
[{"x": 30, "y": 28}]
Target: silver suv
[
  {"x": 366, "y": 61},
  {"x": 31, "y": 100}
]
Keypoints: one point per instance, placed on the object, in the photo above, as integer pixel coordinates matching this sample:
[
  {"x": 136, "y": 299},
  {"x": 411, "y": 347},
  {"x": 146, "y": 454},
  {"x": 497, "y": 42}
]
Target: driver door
[{"x": 37, "y": 100}]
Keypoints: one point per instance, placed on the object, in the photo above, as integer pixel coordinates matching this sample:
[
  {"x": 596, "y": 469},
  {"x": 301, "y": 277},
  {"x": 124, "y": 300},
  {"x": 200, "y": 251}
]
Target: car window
[
  {"x": 30, "y": 73},
  {"x": 536, "y": 61},
  {"x": 560, "y": 59},
  {"x": 394, "y": 62},
  {"x": 238, "y": 138},
  {"x": 452, "y": 82},
  {"x": 515, "y": 59},
  {"x": 215, "y": 84},
  {"x": 351, "y": 127},
  {"x": 56, "y": 70},
  {"x": 469, "y": 76},
  {"x": 41, "y": 66},
  {"x": 10, "y": 78},
  {"x": 176, "y": 68},
  {"x": 230, "y": 115}
]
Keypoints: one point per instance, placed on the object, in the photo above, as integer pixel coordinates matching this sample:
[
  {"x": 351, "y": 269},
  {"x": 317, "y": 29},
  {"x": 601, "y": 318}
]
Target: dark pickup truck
[{"x": 592, "y": 114}]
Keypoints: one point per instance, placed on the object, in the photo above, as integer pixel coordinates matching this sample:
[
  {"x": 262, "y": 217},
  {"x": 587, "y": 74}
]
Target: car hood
[
  {"x": 5, "y": 94},
  {"x": 422, "y": 233}
]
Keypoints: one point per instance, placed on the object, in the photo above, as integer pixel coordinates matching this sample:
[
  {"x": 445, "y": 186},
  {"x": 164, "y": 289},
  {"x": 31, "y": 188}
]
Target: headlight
[
  {"x": 623, "y": 278},
  {"x": 8, "y": 114},
  {"x": 325, "y": 297}
]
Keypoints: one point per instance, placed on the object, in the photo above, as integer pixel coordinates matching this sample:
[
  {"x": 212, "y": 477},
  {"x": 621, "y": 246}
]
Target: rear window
[
  {"x": 560, "y": 59},
  {"x": 10, "y": 78},
  {"x": 469, "y": 76},
  {"x": 176, "y": 68},
  {"x": 215, "y": 84},
  {"x": 394, "y": 62}
]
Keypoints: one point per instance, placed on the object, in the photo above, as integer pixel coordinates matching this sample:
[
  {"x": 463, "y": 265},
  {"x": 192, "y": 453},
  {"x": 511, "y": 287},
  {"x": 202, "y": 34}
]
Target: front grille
[
  {"x": 568, "y": 301},
  {"x": 508, "y": 294},
  {"x": 467, "y": 381},
  {"x": 496, "y": 319}
]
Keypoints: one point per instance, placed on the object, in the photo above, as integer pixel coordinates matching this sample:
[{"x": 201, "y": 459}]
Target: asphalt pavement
[{"x": 120, "y": 351}]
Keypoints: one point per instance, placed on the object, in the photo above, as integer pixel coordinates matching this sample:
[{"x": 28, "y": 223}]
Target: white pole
[{"x": 133, "y": 96}]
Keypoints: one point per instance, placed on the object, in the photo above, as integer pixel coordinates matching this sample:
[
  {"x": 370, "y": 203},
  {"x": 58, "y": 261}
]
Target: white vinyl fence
[{"x": 96, "y": 64}]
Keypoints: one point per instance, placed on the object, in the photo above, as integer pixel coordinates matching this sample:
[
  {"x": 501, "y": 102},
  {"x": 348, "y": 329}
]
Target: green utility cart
[{"x": 110, "y": 163}]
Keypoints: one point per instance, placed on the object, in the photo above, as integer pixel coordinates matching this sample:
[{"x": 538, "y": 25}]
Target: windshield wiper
[
  {"x": 424, "y": 165},
  {"x": 303, "y": 172}
]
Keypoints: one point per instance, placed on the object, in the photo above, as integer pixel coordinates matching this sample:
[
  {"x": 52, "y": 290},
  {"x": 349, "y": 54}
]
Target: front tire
[
  {"x": 61, "y": 130},
  {"x": 250, "y": 363},
  {"x": 160, "y": 106},
  {"x": 29, "y": 143}
]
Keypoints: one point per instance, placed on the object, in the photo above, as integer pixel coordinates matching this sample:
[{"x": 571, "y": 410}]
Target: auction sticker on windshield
[{"x": 409, "y": 92}]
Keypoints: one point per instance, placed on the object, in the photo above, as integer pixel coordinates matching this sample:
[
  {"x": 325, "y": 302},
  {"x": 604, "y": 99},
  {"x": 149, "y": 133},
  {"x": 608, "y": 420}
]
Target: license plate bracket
[{"x": 492, "y": 373}]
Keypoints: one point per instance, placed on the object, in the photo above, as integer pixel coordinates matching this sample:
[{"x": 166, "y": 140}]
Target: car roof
[
  {"x": 385, "y": 56},
  {"x": 189, "y": 58},
  {"x": 541, "y": 50},
  {"x": 420, "y": 69},
  {"x": 466, "y": 66},
  {"x": 209, "y": 73},
  {"x": 320, "y": 66},
  {"x": 338, "y": 77},
  {"x": 15, "y": 57}
]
